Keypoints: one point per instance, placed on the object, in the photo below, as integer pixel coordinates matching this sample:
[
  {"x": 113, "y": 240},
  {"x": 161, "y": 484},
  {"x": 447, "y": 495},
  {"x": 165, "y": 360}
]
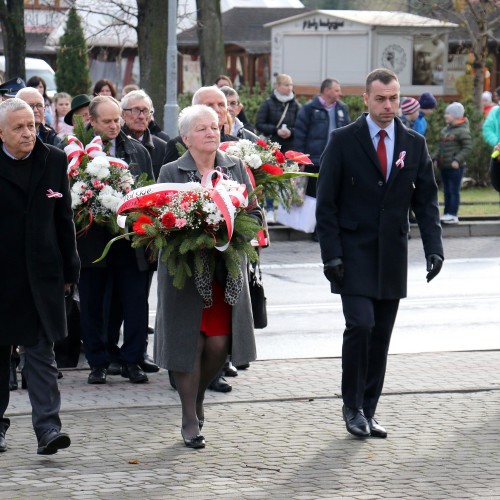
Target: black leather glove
[
  {"x": 334, "y": 271},
  {"x": 434, "y": 265}
]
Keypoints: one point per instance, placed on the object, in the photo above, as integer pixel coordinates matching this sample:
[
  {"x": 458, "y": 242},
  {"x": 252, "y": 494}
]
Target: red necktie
[{"x": 382, "y": 153}]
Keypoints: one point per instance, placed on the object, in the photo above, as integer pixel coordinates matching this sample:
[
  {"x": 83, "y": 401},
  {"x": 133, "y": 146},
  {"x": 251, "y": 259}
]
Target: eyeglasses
[
  {"x": 137, "y": 112},
  {"x": 40, "y": 107},
  {"x": 233, "y": 103}
]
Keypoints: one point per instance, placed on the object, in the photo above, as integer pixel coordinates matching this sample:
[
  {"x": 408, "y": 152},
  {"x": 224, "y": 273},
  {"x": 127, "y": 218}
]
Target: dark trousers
[
  {"x": 369, "y": 324},
  {"x": 452, "y": 183},
  {"x": 40, "y": 370},
  {"x": 131, "y": 288}
]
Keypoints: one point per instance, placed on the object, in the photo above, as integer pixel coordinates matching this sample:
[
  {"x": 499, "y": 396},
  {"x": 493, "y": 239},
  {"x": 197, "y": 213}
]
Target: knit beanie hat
[
  {"x": 409, "y": 106},
  {"x": 427, "y": 101},
  {"x": 487, "y": 96},
  {"x": 455, "y": 109}
]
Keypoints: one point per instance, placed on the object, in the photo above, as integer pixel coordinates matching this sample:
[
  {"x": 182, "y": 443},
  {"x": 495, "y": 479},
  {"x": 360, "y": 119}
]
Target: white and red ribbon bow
[
  {"x": 75, "y": 152},
  {"x": 400, "y": 163},
  {"x": 53, "y": 194},
  {"x": 227, "y": 202}
]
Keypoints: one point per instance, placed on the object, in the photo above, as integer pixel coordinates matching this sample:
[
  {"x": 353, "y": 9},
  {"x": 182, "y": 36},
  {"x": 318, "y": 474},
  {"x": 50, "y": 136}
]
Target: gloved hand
[
  {"x": 334, "y": 271},
  {"x": 434, "y": 265}
]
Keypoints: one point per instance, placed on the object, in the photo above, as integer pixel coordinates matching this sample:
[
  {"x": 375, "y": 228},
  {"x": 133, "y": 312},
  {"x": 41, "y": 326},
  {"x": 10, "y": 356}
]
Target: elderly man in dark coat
[
  {"x": 38, "y": 264},
  {"x": 124, "y": 272},
  {"x": 371, "y": 173}
]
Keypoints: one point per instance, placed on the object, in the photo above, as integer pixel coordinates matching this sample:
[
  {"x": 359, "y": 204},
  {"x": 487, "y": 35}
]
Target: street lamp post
[{"x": 171, "y": 108}]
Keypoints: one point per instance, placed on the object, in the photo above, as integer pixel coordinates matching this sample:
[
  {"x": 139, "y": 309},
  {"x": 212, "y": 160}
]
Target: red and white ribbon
[
  {"x": 53, "y": 194},
  {"x": 400, "y": 163},
  {"x": 75, "y": 152},
  {"x": 227, "y": 202}
]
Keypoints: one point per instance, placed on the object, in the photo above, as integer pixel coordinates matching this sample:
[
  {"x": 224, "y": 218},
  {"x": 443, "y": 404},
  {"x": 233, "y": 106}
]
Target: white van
[{"x": 35, "y": 67}]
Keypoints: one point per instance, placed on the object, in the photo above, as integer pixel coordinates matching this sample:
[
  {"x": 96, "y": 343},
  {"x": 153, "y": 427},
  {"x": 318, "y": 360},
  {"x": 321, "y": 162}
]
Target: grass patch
[{"x": 477, "y": 201}]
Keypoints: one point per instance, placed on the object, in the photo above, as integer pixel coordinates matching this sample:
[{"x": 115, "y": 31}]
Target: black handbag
[{"x": 257, "y": 296}]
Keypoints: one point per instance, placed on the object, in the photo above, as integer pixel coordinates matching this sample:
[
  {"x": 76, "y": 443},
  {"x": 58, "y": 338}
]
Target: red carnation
[
  {"x": 262, "y": 144},
  {"x": 138, "y": 225},
  {"x": 280, "y": 157},
  {"x": 168, "y": 220}
]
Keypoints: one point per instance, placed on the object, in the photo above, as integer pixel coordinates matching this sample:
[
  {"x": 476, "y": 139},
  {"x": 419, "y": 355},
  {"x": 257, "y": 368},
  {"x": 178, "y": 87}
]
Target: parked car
[{"x": 35, "y": 67}]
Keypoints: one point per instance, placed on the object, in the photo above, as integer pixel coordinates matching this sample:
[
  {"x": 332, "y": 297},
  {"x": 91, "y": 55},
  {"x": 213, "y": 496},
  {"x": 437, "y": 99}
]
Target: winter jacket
[
  {"x": 268, "y": 116},
  {"x": 312, "y": 125},
  {"x": 456, "y": 144},
  {"x": 491, "y": 127}
]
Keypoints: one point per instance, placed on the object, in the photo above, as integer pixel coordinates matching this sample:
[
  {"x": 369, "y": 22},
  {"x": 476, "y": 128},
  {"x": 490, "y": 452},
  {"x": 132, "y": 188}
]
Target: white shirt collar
[{"x": 374, "y": 128}]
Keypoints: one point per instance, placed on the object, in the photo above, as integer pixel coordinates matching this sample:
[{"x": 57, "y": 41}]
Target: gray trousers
[{"x": 40, "y": 371}]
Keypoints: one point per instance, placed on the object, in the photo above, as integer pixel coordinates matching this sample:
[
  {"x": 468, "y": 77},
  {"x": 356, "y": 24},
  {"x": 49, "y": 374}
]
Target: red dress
[{"x": 216, "y": 320}]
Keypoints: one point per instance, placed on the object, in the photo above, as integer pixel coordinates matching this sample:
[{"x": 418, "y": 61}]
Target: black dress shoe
[
  {"x": 376, "y": 430},
  {"x": 114, "y": 368},
  {"x": 243, "y": 367},
  {"x": 229, "y": 370},
  {"x": 3, "y": 443},
  {"x": 151, "y": 330},
  {"x": 355, "y": 422},
  {"x": 196, "y": 442},
  {"x": 97, "y": 376},
  {"x": 149, "y": 366},
  {"x": 134, "y": 373},
  {"x": 52, "y": 441},
  {"x": 220, "y": 385}
]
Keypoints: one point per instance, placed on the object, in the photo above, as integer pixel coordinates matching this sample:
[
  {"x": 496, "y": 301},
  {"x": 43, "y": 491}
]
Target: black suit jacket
[{"x": 364, "y": 220}]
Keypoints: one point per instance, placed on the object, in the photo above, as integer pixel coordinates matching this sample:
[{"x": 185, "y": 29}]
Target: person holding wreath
[{"x": 195, "y": 333}]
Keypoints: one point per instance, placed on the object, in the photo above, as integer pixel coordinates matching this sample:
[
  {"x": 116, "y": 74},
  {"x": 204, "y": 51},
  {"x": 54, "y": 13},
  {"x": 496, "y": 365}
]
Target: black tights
[{"x": 211, "y": 354}]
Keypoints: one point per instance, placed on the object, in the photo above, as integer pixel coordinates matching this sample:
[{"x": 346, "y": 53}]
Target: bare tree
[
  {"x": 479, "y": 19},
  {"x": 211, "y": 40},
  {"x": 14, "y": 37}
]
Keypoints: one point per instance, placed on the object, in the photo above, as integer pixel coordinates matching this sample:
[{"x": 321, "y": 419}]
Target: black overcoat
[
  {"x": 38, "y": 251},
  {"x": 364, "y": 220}
]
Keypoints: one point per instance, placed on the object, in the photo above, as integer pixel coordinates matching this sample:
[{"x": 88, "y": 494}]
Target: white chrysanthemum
[
  {"x": 100, "y": 161},
  {"x": 210, "y": 207},
  {"x": 78, "y": 188},
  {"x": 253, "y": 161},
  {"x": 107, "y": 190},
  {"x": 214, "y": 219},
  {"x": 75, "y": 200},
  {"x": 245, "y": 143},
  {"x": 98, "y": 169},
  {"x": 126, "y": 178},
  {"x": 111, "y": 201}
]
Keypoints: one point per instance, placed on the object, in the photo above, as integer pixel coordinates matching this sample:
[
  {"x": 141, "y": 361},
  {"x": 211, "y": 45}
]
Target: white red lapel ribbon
[
  {"x": 226, "y": 202},
  {"x": 75, "y": 152},
  {"x": 400, "y": 163},
  {"x": 53, "y": 194}
]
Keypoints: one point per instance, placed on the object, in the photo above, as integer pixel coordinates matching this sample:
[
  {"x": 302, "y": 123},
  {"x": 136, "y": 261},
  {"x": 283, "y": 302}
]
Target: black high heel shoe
[{"x": 195, "y": 443}]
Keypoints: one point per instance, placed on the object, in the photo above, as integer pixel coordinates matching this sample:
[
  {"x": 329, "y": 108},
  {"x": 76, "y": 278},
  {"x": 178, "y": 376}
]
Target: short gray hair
[
  {"x": 29, "y": 91},
  {"x": 135, "y": 95},
  {"x": 189, "y": 116},
  {"x": 11, "y": 105}
]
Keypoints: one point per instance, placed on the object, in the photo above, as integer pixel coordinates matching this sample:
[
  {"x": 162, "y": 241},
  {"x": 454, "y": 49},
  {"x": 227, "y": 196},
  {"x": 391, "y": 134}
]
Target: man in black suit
[
  {"x": 39, "y": 263},
  {"x": 368, "y": 181}
]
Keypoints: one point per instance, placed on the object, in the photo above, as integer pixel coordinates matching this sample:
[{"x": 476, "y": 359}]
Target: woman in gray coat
[{"x": 193, "y": 340}]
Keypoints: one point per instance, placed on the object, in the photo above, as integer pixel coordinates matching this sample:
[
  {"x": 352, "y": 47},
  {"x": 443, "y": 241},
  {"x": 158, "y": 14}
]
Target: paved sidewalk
[{"x": 279, "y": 434}]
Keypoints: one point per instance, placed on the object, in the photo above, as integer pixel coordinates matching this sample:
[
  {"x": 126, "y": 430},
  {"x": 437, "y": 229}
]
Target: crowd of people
[{"x": 201, "y": 339}]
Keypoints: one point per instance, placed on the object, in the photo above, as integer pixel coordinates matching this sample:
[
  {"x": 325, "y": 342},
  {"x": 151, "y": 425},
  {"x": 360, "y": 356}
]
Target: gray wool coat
[{"x": 178, "y": 315}]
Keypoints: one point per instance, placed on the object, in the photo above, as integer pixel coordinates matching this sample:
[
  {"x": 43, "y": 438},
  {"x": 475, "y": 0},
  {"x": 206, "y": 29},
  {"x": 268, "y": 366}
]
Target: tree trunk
[
  {"x": 152, "y": 37},
  {"x": 14, "y": 38},
  {"x": 211, "y": 40}
]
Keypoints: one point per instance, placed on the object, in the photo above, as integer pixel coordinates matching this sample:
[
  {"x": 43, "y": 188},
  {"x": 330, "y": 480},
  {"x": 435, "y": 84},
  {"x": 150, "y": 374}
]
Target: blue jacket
[{"x": 311, "y": 127}]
